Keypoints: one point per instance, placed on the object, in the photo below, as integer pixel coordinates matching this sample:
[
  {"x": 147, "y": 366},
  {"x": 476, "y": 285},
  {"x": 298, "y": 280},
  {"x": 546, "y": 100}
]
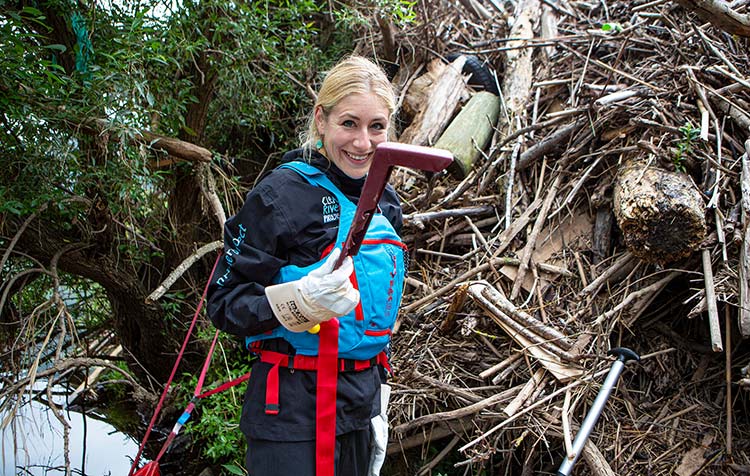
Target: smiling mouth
[{"x": 357, "y": 158}]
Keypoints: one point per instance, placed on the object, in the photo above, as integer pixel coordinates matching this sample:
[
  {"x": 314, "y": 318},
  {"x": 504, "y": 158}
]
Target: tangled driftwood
[{"x": 610, "y": 208}]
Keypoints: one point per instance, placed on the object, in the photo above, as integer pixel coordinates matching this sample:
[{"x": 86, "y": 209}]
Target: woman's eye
[
  {"x": 348, "y": 123},
  {"x": 379, "y": 126}
]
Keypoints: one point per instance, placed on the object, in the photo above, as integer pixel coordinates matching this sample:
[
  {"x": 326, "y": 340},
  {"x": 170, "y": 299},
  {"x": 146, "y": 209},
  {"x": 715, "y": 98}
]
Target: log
[
  {"x": 433, "y": 99},
  {"x": 660, "y": 213},
  {"x": 720, "y": 14},
  {"x": 470, "y": 131},
  {"x": 518, "y": 61}
]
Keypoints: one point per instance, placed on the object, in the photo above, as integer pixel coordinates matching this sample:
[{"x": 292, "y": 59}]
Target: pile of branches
[{"x": 527, "y": 268}]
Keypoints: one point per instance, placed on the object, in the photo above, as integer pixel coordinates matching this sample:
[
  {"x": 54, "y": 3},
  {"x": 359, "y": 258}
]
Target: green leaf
[
  {"x": 56, "y": 47},
  {"x": 32, "y": 11},
  {"x": 234, "y": 469}
]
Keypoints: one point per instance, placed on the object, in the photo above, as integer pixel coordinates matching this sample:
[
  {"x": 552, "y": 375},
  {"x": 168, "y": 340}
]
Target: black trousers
[{"x": 286, "y": 458}]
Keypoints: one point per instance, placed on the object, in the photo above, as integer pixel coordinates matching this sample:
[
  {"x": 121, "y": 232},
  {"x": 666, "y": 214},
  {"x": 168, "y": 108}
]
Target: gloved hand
[
  {"x": 379, "y": 427},
  {"x": 323, "y": 294}
]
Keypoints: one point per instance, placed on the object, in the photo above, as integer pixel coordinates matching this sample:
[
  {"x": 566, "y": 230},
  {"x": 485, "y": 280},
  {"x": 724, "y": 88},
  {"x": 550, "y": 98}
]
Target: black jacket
[
  {"x": 283, "y": 221},
  {"x": 287, "y": 221}
]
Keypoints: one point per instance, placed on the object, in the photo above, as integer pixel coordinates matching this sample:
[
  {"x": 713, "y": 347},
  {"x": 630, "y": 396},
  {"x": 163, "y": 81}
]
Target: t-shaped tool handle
[
  {"x": 386, "y": 156},
  {"x": 623, "y": 355}
]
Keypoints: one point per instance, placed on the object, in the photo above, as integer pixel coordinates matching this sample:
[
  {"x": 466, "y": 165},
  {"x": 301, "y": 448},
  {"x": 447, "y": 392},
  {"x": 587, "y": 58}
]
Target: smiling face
[{"x": 351, "y": 130}]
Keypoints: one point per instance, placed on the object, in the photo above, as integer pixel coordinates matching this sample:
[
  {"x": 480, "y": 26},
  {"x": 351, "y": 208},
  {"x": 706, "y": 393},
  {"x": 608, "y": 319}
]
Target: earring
[{"x": 319, "y": 144}]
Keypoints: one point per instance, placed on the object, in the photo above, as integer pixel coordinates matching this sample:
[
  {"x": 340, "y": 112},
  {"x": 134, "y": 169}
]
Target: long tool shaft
[{"x": 623, "y": 355}]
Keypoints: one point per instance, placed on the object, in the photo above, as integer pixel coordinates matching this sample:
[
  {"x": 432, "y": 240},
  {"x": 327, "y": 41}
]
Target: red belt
[{"x": 328, "y": 365}]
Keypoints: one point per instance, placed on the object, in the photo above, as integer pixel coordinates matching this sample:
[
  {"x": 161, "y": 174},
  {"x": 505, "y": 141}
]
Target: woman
[{"x": 276, "y": 286}]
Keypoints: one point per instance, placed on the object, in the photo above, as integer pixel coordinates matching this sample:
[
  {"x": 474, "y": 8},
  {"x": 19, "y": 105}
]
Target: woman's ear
[{"x": 320, "y": 118}]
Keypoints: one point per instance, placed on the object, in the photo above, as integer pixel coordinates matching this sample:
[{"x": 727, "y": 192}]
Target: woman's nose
[{"x": 362, "y": 139}]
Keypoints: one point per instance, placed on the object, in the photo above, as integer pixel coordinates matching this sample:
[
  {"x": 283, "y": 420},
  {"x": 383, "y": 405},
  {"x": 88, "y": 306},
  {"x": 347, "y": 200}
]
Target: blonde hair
[{"x": 353, "y": 74}]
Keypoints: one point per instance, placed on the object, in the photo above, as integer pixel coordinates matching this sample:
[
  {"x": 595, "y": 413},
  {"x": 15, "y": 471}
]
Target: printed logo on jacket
[{"x": 330, "y": 209}]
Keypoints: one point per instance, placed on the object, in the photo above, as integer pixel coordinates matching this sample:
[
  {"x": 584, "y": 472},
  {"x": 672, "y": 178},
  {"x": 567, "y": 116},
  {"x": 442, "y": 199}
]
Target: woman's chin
[{"x": 354, "y": 169}]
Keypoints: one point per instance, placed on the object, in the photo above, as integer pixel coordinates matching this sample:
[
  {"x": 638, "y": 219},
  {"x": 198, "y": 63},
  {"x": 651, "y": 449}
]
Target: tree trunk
[
  {"x": 660, "y": 213},
  {"x": 148, "y": 337}
]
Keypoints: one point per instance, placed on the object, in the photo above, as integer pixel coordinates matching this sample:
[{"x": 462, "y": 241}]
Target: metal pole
[{"x": 623, "y": 355}]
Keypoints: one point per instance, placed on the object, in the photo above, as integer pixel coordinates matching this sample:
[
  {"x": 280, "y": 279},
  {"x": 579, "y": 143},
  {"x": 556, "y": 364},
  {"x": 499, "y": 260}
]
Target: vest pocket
[{"x": 380, "y": 292}]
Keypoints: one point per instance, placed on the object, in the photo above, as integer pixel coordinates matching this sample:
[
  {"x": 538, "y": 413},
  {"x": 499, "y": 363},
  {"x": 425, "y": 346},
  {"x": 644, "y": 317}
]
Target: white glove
[
  {"x": 379, "y": 426},
  {"x": 321, "y": 295}
]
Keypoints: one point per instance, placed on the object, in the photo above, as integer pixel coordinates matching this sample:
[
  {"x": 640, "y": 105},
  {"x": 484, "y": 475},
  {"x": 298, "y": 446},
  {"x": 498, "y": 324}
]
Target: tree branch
[{"x": 720, "y": 15}]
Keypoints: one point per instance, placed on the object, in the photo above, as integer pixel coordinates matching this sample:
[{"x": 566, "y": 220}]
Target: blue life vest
[{"x": 379, "y": 272}]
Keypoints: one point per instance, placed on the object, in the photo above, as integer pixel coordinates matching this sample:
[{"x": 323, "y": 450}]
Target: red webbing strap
[
  {"x": 325, "y": 402},
  {"x": 206, "y": 364},
  {"x": 225, "y": 386},
  {"x": 272, "y": 384},
  {"x": 174, "y": 370}
]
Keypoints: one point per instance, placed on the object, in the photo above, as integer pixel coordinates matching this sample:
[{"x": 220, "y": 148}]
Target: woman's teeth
[{"x": 358, "y": 158}]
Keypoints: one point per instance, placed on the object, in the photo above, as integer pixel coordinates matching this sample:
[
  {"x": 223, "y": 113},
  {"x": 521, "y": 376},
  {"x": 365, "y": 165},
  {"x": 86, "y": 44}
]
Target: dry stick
[
  {"x": 728, "y": 376},
  {"x": 534, "y": 127},
  {"x": 531, "y": 242},
  {"x": 604, "y": 277},
  {"x": 528, "y": 321},
  {"x": 501, "y": 365},
  {"x": 576, "y": 187},
  {"x": 713, "y": 312},
  {"x": 525, "y": 393},
  {"x": 744, "y": 265},
  {"x": 489, "y": 304},
  {"x": 478, "y": 233},
  {"x": 208, "y": 188},
  {"x": 449, "y": 229},
  {"x": 436, "y": 432},
  {"x": 565, "y": 417},
  {"x": 509, "y": 184},
  {"x": 440, "y": 385},
  {"x": 714, "y": 202},
  {"x": 464, "y": 277},
  {"x": 459, "y": 190},
  {"x": 458, "y": 413},
  {"x": 533, "y": 153},
  {"x": 181, "y": 268},
  {"x": 419, "y": 219},
  {"x": 734, "y": 77},
  {"x": 504, "y": 239},
  {"x": 596, "y": 461},
  {"x": 509, "y": 369},
  {"x": 647, "y": 291}
]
